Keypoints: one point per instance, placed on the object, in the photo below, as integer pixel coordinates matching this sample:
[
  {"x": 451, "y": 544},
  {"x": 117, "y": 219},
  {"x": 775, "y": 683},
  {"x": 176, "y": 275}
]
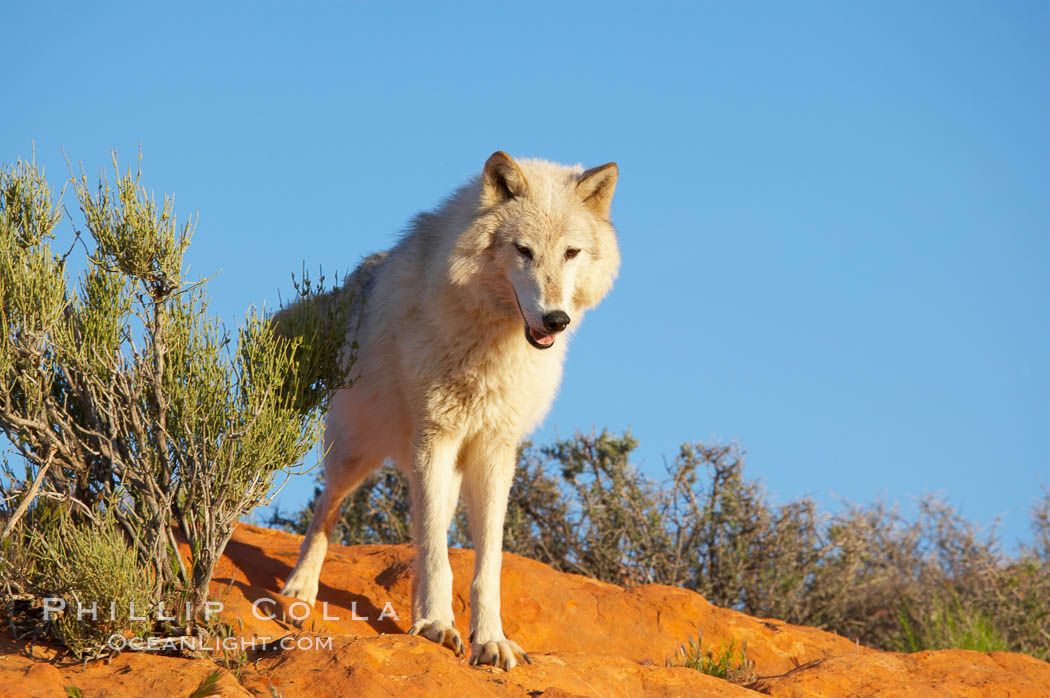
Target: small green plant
[
  {"x": 209, "y": 686},
  {"x": 231, "y": 660},
  {"x": 728, "y": 662}
]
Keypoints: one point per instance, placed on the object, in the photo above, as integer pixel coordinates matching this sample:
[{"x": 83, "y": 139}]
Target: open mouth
[{"x": 540, "y": 340}]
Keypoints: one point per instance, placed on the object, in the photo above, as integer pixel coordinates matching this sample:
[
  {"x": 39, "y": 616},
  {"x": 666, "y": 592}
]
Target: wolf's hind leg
[{"x": 341, "y": 477}]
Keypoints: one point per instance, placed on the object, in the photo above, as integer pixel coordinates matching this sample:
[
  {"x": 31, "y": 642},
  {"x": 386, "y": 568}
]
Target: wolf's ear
[
  {"x": 501, "y": 180},
  {"x": 596, "y": 187}
]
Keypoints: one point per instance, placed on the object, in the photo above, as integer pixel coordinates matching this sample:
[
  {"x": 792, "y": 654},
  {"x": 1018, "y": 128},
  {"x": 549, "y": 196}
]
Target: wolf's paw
[
  {"x": 299, "y": 587},
  {"x": 440, "y": 632},
  {"x": 501, "y": 653}
]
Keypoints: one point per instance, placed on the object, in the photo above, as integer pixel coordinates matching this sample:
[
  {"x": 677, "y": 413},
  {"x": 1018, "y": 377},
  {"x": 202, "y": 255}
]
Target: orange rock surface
[{"x": 585, "y": 638}]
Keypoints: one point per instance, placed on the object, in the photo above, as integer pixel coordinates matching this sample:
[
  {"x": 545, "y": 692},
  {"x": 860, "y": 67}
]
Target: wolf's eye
[
  {"x": 571, "y": 252},
  {"x": 523, "y": 251}
]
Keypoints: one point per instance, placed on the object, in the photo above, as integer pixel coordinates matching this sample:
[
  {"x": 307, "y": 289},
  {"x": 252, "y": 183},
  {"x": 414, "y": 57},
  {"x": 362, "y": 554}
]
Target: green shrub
[
  {"x": 90, "y": 567},
  {"x": 133, "y": 408}
]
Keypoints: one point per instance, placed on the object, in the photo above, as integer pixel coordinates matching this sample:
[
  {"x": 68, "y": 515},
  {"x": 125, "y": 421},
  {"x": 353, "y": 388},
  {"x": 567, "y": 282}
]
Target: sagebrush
[{"x": 139, "y": 420}]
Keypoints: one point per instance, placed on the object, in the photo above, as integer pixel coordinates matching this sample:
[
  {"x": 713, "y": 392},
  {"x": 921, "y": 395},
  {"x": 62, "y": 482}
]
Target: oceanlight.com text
[{"x": 304, "y": 643}]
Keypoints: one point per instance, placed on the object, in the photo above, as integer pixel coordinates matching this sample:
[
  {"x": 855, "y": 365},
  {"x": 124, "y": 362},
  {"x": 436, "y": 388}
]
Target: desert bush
[
  {"x": 867, "y": 572},
  {"x": 979, "y": 599},
  {"x": 91, "y": 568},
  {"x": 599, "y": 519},
  {"x": 132, "y": 409}
]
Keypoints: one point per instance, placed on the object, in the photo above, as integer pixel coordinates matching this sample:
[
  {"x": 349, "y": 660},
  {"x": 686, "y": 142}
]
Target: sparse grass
[
  {"x": 209, "y": 686},
  {"x": 235, "y": 660},
  {"x": 728, "y": 662},
  {"x": 950, "y": 624}
]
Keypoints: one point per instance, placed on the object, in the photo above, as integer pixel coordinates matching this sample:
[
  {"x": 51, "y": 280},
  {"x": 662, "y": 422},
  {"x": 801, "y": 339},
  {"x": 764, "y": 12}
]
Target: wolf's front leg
[
  {"x": 435, "y": 491},
  {"x": 489, "y": 473}
]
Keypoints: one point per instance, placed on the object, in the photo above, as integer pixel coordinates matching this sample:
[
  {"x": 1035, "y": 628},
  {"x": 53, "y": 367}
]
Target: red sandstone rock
[
  {"x": 956, "y": 673},
  {"x": 585, "y": 638}
]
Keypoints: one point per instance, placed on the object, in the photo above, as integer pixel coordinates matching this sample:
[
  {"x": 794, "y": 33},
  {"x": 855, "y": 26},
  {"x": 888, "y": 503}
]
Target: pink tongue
[{"x": 544, "y": 339}]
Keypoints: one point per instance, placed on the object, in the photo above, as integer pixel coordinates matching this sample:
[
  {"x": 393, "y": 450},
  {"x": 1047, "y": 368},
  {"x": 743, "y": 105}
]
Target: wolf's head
[{"x": 544, "y": 244}]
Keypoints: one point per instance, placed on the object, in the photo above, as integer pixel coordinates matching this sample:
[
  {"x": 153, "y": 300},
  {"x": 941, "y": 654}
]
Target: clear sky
[{"x": 834, "y": 217}]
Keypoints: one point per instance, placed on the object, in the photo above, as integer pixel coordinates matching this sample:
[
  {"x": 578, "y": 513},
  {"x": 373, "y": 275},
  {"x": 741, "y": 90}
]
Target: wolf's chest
[{"x": 500, "y": 395}]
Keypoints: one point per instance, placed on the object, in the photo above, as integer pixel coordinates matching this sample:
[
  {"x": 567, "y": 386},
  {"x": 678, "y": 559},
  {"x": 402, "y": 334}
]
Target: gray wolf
[{"x": 462, "y": 340}]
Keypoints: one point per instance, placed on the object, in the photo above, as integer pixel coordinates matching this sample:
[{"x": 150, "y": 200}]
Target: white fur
[{"x": 448, "y": 383}]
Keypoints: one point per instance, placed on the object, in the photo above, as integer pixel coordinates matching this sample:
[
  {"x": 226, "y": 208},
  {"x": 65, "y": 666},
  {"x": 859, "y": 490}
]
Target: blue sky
[{"x": 834, "y": 217}]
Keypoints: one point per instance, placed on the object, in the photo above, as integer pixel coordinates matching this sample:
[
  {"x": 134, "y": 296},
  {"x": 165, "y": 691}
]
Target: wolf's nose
[{"x": 555, "y": 321}]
